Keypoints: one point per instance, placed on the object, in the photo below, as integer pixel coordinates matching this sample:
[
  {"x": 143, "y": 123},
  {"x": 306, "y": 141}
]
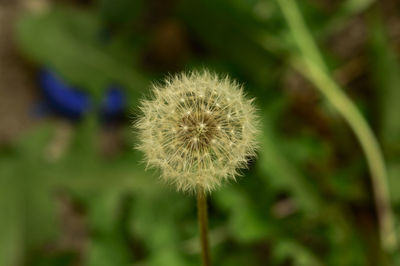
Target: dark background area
[{"x": 73, "y": 191}]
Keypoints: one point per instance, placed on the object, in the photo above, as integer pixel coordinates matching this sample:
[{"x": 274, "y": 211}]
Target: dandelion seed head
[{"x": 198, "y": 129}]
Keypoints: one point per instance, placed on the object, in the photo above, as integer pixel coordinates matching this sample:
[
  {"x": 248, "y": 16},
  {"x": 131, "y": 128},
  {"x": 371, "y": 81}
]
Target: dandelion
[{"x": 199, "y": 130}]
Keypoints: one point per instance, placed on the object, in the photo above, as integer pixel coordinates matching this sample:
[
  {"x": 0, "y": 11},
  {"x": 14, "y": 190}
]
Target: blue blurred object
[
  {"x": 63, "y": 99},
  {"x": 74, "y": 103},
  {"x": 114, "y": 102}
]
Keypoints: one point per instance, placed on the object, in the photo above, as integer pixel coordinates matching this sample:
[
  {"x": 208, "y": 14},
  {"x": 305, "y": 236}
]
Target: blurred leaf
[
  {"x": 296, "y": 253},
  {"x": 385, "y": 70},
  {"x": 25, "y": 199},
  {"x": 12, "y": 218},
  {"x": 155, "y": 220},
  {"x": 394, "y": 181},
  {"x": 281, "y": 174},
  {"x": 108, "y": 251},
  {"x": 243, "y": 221},
  {"x": 305, "y": 148},
  {"x": 69, "y": 41}
]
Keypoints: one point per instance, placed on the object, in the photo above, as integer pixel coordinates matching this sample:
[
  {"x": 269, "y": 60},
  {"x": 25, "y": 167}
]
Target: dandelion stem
[
  {"x": 314, "y": 68},
  {"x": 203, "y": 226}
]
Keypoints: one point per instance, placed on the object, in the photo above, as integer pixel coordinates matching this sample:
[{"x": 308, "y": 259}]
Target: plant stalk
[
  {"x": 312, "y": 65},
  {"x": 203, "y": 226}
]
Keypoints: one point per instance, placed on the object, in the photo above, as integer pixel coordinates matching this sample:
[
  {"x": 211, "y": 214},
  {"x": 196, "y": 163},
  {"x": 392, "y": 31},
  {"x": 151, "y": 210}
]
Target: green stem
[
  {"x": 317, "y": 72},
  {"x": 203, "y": 226}
]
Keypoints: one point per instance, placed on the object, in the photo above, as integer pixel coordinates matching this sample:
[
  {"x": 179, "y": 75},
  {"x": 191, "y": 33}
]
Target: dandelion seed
[{"x": 205, "y": 145}]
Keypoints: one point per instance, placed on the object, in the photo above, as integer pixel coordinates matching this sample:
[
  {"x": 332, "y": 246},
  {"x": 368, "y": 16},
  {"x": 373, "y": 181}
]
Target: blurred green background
[{"x": 75, "y": 192}]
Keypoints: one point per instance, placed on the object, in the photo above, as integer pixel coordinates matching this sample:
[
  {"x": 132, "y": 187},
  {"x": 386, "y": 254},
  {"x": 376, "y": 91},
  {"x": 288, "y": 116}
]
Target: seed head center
[{"x": 196, "y": 130}]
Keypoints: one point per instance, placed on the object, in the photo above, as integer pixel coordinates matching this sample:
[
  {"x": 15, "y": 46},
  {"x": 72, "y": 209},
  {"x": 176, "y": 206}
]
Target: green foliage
[
  {"x": 385, "y": 70},
  {"x": 306, "y": 200},
  {"x": 70, "y": 42}
]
